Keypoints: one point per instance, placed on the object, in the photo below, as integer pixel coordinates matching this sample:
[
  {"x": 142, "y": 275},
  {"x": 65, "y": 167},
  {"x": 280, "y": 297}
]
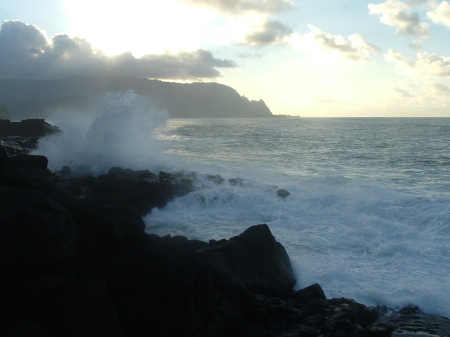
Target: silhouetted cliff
[{"x": 38, "y": 98}]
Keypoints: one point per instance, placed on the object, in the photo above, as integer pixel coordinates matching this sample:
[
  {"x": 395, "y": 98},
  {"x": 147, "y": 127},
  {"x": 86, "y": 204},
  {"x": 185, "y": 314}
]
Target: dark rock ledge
[{"x": 75, "y": 261}]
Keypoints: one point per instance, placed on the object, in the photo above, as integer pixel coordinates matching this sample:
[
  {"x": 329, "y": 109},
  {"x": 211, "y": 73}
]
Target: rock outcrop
[
  {"x": 75, "y": 261},
  {"x": 30, "y": 128},
  {"x": 22, "y": 137}
]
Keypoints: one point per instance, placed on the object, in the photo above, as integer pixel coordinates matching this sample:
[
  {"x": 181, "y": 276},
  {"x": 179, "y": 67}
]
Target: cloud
[
  {"x": 440, "y": 89},
  {"x": 428, "y": 64},
  {"x": 245, "y": 6},
  {"x": 253, "y": 56},
  {"x": 354, "y": 47},
  {"x": 268, "y": 33},
  {"x": 320, "y": 99},
  {"x": 441, "y": 14},
  {"x": 26, "y": 52},
  {"x": 416, "y": 45},
  {"x": 399, "y": 15},
  {"x": 403, "y": 92}
]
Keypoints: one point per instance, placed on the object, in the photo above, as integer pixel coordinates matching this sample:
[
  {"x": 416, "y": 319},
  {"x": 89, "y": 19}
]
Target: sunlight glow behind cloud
[
  {"x": 139, "y": 26},
  {"x": 25, "y": 52},
  {"x": 246, "y": 6}
]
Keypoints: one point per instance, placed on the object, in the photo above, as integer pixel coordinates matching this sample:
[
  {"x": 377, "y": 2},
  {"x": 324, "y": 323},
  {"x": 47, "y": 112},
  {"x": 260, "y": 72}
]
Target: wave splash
[{"x": 119, "y": 132}]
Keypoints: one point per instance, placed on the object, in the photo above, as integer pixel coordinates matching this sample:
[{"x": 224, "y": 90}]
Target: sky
[{"x": 313, "y": 58}]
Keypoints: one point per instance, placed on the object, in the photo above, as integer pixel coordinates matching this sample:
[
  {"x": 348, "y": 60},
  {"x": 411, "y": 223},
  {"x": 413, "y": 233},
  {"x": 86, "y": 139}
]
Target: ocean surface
[{"x": 368, "y": 215}]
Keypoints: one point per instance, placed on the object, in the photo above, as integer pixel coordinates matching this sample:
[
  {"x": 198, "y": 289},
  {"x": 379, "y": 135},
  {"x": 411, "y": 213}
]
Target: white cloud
[
  {"x": 25, "y": 52},
  {"x": 441, "y": 14},
  {"x": 268, "y": 32},
  {"x": 424, "y": 64},
  {"x": 399, "y": 15},
  {"x": 416, "y": 45},
  {"x": 354, "y": 47},
  {"x": 245, "y": 6}
]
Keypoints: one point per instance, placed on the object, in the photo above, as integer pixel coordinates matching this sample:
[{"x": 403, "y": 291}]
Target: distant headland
[{"x": 24, "y": 98}]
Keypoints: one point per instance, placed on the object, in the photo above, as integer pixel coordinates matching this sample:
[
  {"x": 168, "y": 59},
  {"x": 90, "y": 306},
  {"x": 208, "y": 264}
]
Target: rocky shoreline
[{"x": 75, "y": 261}]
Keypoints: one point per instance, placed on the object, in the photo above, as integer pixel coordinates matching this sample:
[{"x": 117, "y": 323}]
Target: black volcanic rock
[
  {"x": 254, "y": 259},
  {"x": 36, "y": 233},
  {"x": 30, "y": 128},
  {"x": 19, "y": 138}
]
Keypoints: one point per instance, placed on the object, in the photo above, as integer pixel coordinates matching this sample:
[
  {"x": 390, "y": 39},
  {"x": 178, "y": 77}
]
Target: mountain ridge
[{"x": 36, "y": 98}]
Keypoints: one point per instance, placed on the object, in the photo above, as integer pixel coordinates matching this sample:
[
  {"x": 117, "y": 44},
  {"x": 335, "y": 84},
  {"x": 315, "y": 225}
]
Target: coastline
[{"x": 77, "y": 242}]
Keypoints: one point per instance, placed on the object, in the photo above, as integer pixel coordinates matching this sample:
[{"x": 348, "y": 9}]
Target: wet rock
[
  {"x": 282, "y": 193},
  {"x": 27, "y": 128},
  {"x": 137, "y": 190},
  {"x": 177, "y": 184},
  {"x": 411, "y": 321},
  {"x": 236, "y": 182},
  {"x": 309, "y": 293},
  {"x": 216, "y": 179},
  {"x": 255, "y": 259},
  {"x": 15, "y": 145}
]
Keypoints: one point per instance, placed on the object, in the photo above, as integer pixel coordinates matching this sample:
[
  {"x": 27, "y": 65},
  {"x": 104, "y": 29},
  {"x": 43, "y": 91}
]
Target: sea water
[{"x": 368, "y": 215}]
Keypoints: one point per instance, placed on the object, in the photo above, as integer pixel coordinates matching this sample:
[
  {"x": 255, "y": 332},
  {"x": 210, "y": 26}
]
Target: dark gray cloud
[
  {"x": 245, "y": 6},
  {"x": 26, "y": 52},
  {"x": 270, "y": 32}
]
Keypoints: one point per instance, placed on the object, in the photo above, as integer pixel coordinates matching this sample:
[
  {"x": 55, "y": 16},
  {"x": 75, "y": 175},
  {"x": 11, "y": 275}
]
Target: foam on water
[{"x": 353, "y": 237}]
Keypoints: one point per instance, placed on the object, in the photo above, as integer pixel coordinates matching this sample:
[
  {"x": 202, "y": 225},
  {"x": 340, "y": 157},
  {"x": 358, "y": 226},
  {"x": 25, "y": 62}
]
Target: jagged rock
[
  {"x": 216, "y": 179},
  {"x": 255, "y": 259},
  {"x": 177, "y": 184},
  {"x": 411, "y": 321},
  {"x": 30, "y": 128},
  {"x": 309, "y": 293},
  {"x": 282, "y": 193},
  {"x": 139, "y": 190},
  {"x": 236, "y": 182},
  {"x": 15, "y": 145}
]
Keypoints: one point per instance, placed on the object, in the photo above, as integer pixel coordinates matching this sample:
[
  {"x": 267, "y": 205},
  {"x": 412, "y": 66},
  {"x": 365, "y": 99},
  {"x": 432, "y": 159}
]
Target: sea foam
[{"x": 119, "y": 131}]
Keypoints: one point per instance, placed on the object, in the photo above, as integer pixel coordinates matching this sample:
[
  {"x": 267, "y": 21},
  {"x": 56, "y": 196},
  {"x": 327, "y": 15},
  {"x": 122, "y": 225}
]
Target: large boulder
[{"x": 254, "y": 259}]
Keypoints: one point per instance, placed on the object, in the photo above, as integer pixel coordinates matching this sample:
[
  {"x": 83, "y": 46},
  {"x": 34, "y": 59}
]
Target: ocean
[{"x": 368, "y": 215}]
